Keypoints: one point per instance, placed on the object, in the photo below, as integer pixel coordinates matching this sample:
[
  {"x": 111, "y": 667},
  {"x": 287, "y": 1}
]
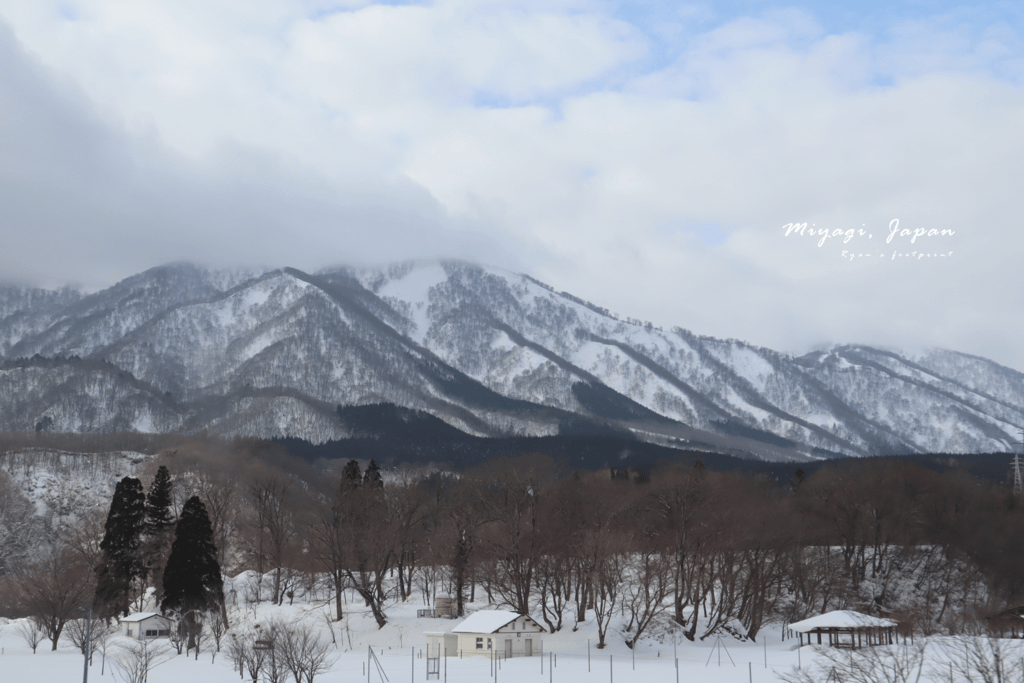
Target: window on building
[
  {"x": 488, "y": 643},
  {"x": 479, "y": 642}
]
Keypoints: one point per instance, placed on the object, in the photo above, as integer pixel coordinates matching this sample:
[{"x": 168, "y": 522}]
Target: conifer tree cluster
[{"x": 138, "y": 551}]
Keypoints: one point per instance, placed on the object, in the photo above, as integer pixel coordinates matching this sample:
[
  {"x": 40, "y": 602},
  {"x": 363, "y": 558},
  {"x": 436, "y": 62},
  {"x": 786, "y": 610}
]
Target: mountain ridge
[{"x": 493, "y": 353}]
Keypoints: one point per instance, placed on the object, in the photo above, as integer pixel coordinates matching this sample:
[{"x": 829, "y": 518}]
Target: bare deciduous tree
[
  {"x": 244, "y": 655},
  {"x": 647, "y": 585},
  {"x": 607, "y": 584},
  {"x": 303, "y": 651},
  {"x": 274, "y": 528},
  {"x": 81, "y": 634},
  {"x": 982, "y": 659},
  {"x": 879, "y": 664},
  {"x": 134, "y": 659},
  {"x": 30, "y": 632},
  {"x": 54, "y": 589},
  {"x": 218, "y": 627}
]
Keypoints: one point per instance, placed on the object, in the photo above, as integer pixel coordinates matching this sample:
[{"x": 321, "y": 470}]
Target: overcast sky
[{"x": 645, "y": 155}]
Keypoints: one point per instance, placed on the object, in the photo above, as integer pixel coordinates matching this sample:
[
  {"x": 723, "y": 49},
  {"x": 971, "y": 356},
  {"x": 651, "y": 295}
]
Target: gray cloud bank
[
  {"x": 662, "y": 198},
  {"x": 84, "y": 201}
]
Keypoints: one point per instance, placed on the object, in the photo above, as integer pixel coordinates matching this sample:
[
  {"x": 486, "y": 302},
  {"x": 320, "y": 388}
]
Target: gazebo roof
[{"x": 845, "y": 620}]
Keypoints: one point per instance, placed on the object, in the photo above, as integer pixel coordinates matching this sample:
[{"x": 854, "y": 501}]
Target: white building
[
  {"x": 145, "y": 625},
  {"x": 487, "y": 631}
]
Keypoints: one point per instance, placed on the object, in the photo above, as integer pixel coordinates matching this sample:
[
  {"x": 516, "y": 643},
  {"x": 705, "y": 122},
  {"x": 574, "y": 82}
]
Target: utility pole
[{"x": 88, "y": 647}]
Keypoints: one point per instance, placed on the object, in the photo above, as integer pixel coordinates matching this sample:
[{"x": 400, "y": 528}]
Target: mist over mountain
[{"x": 180, "y": 348}]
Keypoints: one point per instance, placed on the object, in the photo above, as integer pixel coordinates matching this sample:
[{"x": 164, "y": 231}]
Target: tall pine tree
[
  {"x": 120, "y": 566},
  {"x": 159, "y": 529},
  {"x": 351, "y": 477},
  {"x": 192, "y": 578},
  {"x": 372, "y": 478}
]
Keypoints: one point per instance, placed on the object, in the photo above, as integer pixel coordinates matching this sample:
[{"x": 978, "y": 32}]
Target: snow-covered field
[
  {"x": 400, "y": 647},
  {"x": 569, "y": 656}
]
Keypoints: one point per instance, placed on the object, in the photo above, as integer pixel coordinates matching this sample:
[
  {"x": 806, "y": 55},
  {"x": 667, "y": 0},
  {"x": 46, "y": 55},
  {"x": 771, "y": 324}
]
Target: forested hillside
[
  {"x": 488, "y": 352},
  {"x": 710, "y": 550}
]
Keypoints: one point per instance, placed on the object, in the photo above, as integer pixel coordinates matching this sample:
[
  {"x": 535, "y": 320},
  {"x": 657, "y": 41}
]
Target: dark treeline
[
  {"x": 711, "y": 550},
  {"x": 708, "y": 550}
]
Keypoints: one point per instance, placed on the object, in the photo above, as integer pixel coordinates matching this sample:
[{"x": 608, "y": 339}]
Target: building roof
[
  {"x": 1010, "y": 614},
  {"x": 141, "y": 616},
  {"x": 841, "y": 619},
  {"x": 486, "y": 621}
]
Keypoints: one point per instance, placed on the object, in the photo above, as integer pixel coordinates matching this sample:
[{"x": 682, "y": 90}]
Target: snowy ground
[{"x": 399, "y": 647}]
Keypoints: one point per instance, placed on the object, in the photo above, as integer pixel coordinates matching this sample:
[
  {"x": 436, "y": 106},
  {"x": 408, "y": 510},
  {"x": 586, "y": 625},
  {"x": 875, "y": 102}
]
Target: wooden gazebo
[{"x": 847, "y": 629}]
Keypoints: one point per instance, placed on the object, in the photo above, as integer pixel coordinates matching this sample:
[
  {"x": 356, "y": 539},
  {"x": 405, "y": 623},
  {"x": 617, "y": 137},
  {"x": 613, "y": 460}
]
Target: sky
[{"x": 655, "y": 158}]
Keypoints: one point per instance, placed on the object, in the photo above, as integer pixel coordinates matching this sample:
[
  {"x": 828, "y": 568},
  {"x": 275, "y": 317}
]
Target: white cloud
[{"x": 539, "y": 136}]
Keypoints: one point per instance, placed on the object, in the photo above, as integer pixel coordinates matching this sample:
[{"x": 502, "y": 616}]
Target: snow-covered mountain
[{"x": 181, "y": 348}]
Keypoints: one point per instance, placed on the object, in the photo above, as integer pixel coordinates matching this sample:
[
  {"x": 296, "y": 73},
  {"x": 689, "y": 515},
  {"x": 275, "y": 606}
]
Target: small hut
[
  {"x": 1011, "y": 620},
  {"x": 445, "y": 606},
  {"x": 145, "y": 625},
  {"x": 845, "y": 628},
  {"x": 511, "y": 634}
]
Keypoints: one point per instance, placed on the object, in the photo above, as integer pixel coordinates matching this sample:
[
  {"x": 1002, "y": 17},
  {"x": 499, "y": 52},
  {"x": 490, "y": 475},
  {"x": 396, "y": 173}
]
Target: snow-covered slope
[{"x": 179, "y": 348}]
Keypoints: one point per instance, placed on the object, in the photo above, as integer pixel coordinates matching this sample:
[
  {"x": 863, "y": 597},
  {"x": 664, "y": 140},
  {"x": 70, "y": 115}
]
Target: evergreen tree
[
  {"x": 372, "y": 478},
  {"x": 192, "y": 578},
  {"x": 158, "y": 503},
  {"x": 350, "y": 475},
  {"x": 120, "y": 565},
  {"x": 159, "y": 527}
]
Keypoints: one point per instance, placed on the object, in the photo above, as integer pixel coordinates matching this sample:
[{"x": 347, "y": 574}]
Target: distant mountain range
[{"x": 492, "y": 353}]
